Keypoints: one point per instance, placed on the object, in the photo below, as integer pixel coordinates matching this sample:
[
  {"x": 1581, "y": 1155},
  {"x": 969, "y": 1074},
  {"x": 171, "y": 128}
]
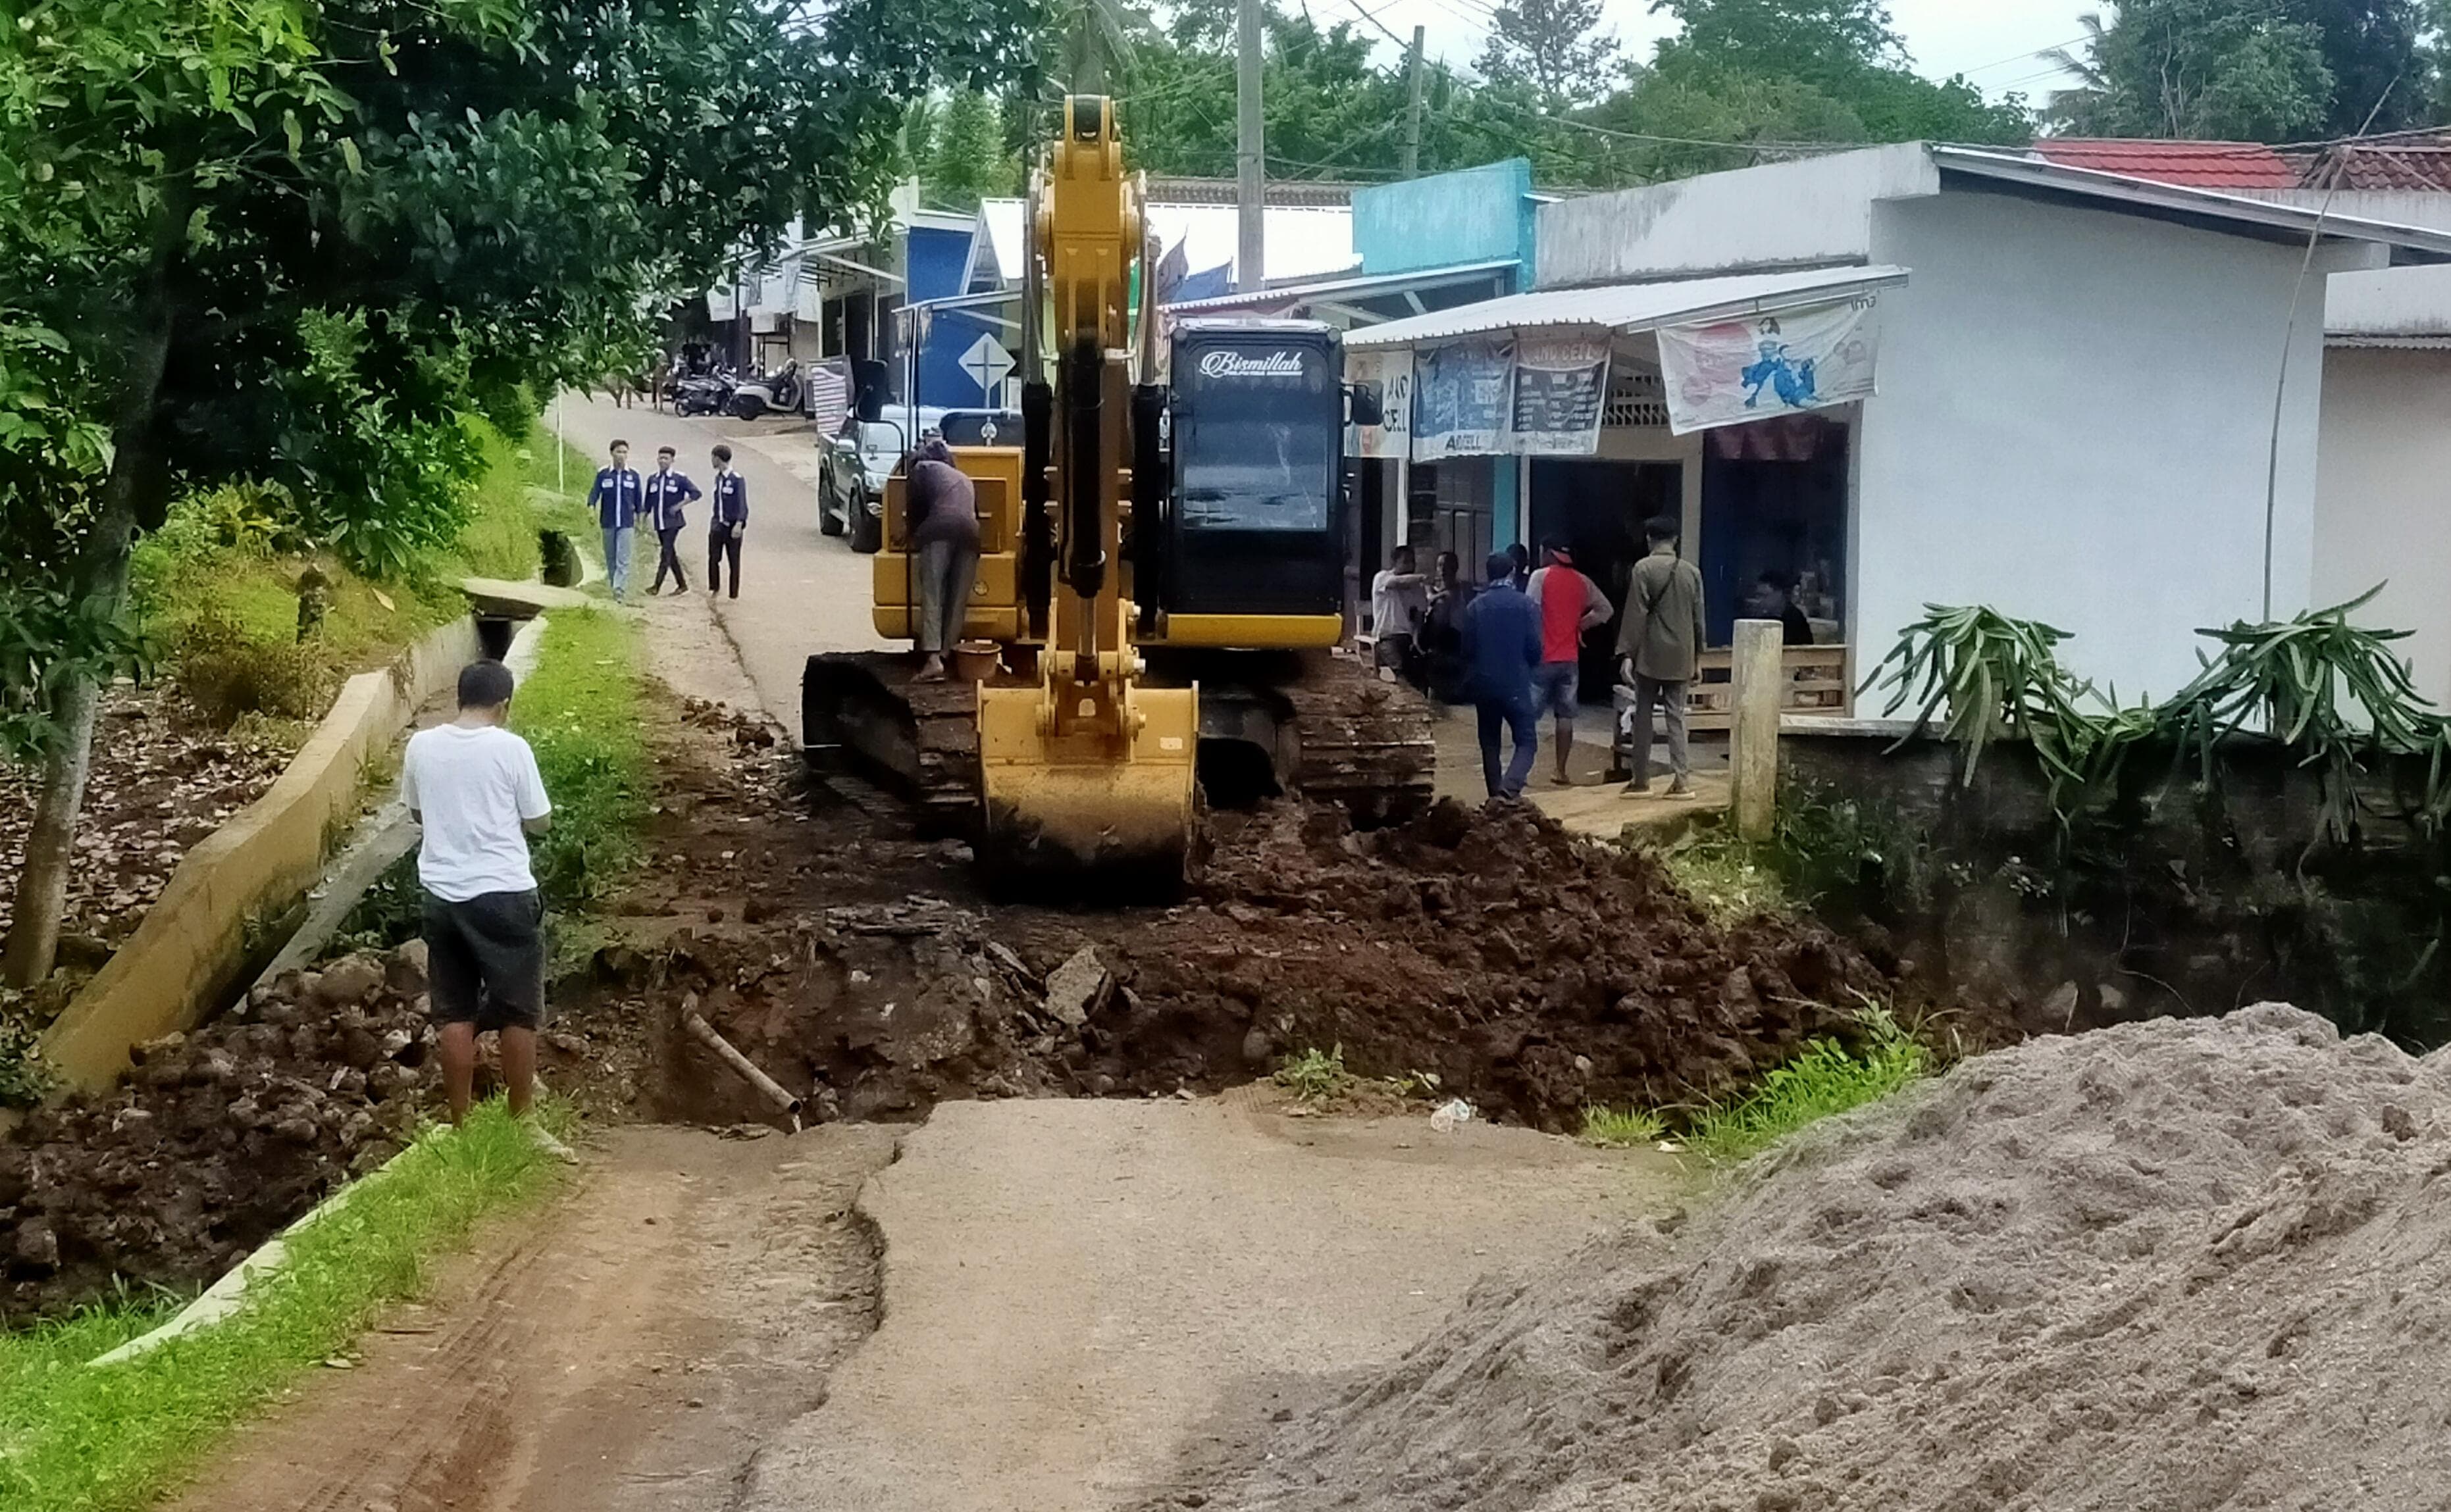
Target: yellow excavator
[{"x": 1161, "y": 577}]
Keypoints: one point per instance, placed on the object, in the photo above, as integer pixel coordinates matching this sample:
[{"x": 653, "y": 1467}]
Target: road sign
[{"x": 988, "y": 364}]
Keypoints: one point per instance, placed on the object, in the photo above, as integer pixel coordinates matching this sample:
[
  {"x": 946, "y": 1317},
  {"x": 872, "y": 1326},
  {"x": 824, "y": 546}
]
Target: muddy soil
[
  {"x": 218, "y": 1139},
  {"x": 2183, "y": 1264},
  {"x": 164, "y": 778},
  {"x": 1530, "y": 973}
]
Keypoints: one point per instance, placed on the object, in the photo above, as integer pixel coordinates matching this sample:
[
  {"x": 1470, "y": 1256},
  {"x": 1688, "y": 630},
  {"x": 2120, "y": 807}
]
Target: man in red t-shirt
[{"x": 1570, "y": 604}]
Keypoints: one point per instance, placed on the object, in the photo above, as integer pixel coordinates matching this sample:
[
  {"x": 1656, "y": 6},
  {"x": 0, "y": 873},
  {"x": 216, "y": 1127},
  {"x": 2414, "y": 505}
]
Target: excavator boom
[{"x": 1089, "y": 774}]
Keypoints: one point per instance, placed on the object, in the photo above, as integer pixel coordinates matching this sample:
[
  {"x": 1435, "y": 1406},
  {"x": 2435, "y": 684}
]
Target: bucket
[{"x": 974, "y": 661}]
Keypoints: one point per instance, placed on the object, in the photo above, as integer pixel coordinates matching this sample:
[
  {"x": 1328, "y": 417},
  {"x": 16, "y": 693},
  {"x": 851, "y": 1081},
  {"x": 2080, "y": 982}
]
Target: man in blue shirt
[
  {"x": 1502, "y": 649},
  {"x": 618, "y": 497},
  {"x": 727, "y": 522},
  {"x": 667, "y": 494}
]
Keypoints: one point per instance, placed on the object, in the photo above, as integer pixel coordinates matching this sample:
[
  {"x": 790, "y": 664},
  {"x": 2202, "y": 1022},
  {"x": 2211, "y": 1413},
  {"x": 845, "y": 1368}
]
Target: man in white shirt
[
  {"x": 475, "y": 787},
  {"x": 1400, "y": 601}
]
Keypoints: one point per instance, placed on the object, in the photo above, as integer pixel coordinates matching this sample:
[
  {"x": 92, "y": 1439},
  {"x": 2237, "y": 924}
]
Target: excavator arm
[{"x": 1089, "y": 776}]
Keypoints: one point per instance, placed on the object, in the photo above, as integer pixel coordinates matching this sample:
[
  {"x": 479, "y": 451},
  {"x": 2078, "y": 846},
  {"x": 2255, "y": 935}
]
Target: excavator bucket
[{"x": 1072, "y": 812}]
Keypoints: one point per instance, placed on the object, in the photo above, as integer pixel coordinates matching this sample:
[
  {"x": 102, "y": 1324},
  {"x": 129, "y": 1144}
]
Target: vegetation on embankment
[{"x": 75, "y": 1437}]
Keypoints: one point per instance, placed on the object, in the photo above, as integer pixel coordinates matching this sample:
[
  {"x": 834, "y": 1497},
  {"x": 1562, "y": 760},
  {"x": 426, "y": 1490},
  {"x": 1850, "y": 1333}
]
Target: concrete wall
[
  {"x": 1472, "y": 215},
  {"x": 1784, "y": 214},
  {"x": 192, "y": 944},
  {"x": 2426, "y": 207},
  {"x": 2390, "y": 301},
  {"x": 2383, "y": 499},
  {"x": 2072, "y": 425}
]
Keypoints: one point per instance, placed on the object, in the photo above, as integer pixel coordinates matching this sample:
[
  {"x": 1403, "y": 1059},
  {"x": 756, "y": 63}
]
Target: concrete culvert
[{"x": 2179, "y": 1264}]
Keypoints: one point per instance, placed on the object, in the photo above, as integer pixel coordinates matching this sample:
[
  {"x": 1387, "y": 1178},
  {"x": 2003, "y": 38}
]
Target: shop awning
[{"x": 1626, "y": 308}]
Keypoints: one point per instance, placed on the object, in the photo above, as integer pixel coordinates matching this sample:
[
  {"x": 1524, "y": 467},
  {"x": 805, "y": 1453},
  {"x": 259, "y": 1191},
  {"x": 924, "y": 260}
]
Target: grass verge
[
  {"x": 584, "y": 713},
  {"x": 1630, "y": 1130},
  {"x": 113, "y": 1439},
  {"x": 1826, "y": 1078}
]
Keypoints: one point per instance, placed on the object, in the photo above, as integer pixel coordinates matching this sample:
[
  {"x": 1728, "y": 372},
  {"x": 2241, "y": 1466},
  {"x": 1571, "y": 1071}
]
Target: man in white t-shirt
[
  {"x": 1400, "y": 601},
  {"x": 475, "y": 787}
]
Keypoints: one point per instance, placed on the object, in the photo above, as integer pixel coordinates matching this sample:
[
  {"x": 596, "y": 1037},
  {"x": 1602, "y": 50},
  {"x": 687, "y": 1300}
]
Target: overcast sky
[{"x": 1994, "y": 43}]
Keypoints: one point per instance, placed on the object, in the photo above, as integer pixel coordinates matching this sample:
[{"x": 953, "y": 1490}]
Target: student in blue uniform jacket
[
  {"x": 727, "y": 523},
  {"x": 618, "y": 497},
  {"x": 668, "y": 494}
]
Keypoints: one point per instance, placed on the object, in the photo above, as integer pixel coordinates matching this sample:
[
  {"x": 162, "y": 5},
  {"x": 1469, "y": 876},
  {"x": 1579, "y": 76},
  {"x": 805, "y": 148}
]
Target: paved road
[
  {"x": 1081, "y": 1298},
  {"x": 802, "y": 591}
]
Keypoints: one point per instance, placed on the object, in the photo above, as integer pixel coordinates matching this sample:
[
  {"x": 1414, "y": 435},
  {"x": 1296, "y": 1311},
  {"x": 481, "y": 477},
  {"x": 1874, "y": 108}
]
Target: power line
[{"x": 2020, "y": 57}]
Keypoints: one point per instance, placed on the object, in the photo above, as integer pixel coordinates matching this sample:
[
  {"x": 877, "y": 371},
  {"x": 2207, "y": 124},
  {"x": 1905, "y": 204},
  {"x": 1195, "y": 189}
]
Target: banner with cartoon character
[
  {"x": 1459, "y": 399},
  {"x": 1761, "y": 366},
  {"x": 1560, "y": 384}
]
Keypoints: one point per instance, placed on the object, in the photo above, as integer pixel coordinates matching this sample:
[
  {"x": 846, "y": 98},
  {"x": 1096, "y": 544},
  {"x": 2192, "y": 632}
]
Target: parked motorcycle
[
  {"x": 708, "y": 394},
  {"x": 766, "y": 393}
]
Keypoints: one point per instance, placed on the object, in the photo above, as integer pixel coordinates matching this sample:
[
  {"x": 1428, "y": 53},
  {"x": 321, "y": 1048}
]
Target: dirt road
[
  {"x": 800, "y": 592},
  {"x": 1085, "y": 1299},
  {"x": 630, "y": 1348}
]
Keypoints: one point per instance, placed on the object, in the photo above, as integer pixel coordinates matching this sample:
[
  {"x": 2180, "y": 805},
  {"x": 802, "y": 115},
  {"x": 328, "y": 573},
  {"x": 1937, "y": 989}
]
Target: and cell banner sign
[
  {"x": 723, "y": 304},
  {"x": 1762, "y": 366},
  {"x": 1386, "y": 376},
  {"x": 1459, "y": 399},
  {"x": 1560, "y": 388}
]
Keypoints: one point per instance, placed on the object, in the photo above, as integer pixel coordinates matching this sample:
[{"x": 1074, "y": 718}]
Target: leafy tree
[
  {"x": 2379, "y": 73},
  {"x": 2206, "y": 69},
  {"x": 1554, "y": 47},
  {"x": 292, "y": 242},
  {"x": 967, "y": 161}
]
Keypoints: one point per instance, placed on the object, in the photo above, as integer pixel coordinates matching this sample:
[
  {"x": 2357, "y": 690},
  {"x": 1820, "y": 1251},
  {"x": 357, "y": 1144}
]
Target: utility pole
[
  {"x": 1413, "y": 113},
  {"x": 1250, "y": 153}
]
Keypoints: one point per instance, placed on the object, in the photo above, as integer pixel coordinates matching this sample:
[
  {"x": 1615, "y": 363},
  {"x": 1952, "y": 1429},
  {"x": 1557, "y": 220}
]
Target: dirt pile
[
  {"x": 2184, "y": 1264},
  {"x": 218, "y": 1139},
  {"x": 1533, "y": 973}
]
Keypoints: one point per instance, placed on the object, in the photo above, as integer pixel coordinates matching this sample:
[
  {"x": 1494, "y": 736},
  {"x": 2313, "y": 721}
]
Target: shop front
[{"x": 1726, "y": 405}]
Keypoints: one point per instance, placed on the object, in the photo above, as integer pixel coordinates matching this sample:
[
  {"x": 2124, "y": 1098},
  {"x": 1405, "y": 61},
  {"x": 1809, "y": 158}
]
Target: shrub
[
  {"x": 227, "y": 675},
  {"x": 1824, "y": 1079}
]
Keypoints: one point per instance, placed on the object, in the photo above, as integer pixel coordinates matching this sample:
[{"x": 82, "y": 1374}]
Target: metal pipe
[{"x": 727, "y": 1053}]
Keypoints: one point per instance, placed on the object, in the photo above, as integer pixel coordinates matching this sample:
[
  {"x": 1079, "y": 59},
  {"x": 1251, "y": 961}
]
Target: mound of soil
[
  {"x": 1530, "y": 972},
  {"x": 2184, "y": 1264},
  {"x": 218, "y": 1139}
]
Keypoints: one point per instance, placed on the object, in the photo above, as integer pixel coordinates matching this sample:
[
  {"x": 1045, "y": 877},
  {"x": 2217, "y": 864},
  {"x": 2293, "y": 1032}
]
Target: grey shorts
[
  {"x": 486, "y": 960},
  {"x": 1554, "y": 688}
]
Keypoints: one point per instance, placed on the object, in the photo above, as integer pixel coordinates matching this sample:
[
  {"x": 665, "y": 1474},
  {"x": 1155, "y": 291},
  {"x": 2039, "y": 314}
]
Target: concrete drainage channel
[{"x": 381, "y": 839}]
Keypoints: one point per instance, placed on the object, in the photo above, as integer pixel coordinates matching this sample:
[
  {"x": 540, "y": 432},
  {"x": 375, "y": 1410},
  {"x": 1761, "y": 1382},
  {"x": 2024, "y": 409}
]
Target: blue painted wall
[{"x": 1472, "y": 215}]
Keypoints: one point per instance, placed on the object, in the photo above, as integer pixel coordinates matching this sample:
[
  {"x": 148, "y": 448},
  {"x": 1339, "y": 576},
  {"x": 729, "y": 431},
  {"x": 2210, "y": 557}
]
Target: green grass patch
[
  {"x": 1826, "y": 1078},
  {"x": 560, "y": 491},
  {"x": 74, "y": 1438},
  {"x": 582, "y": 709},
  {"x": 1727, "y": 877},
  {"x": 1628, "y": 1130},
  {"x": 501, "y": 538}
]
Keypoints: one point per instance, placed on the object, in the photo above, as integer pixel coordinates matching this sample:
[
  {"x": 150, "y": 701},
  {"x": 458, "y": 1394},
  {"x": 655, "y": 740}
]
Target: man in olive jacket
[{"x": 1658, "y": 645}]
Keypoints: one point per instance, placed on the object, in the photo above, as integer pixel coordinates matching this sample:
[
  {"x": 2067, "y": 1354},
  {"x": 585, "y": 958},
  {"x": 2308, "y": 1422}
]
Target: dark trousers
[
  {"x": 722, "y": 542},
  {"x": 1521, "y": 717},
  {"x": 668, "y": 560}
]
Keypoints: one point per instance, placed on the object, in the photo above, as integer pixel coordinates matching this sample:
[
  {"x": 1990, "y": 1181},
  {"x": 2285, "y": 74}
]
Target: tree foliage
[
  {"x": 2259, "y": 71},
  {"x": 292, "y": 241},
  {"x": 1553, "y": 47}
]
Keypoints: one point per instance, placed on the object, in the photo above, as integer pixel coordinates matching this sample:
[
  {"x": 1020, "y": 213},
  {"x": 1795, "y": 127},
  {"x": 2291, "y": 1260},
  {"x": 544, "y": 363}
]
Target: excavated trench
[{"x": 1486, "y": 954}]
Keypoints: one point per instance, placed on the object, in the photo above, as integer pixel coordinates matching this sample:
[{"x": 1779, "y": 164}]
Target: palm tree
[{"x": 2083, "y": 109}]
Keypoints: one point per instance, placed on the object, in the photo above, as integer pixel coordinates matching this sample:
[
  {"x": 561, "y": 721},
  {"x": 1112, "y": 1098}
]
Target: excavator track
[{"x": 1356, "y": 741}]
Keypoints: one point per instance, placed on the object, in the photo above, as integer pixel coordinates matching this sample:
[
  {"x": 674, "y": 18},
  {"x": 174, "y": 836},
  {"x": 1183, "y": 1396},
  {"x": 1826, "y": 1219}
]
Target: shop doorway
[
  {"x": 1774, "y": 500},
  {"x": 1598, "y": 508}
]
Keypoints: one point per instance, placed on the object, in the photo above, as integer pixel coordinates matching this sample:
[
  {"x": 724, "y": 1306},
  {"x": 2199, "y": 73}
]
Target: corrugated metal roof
[
  {"x": 1628, "y": 307},
  {"x": 2195, "y": 165}
]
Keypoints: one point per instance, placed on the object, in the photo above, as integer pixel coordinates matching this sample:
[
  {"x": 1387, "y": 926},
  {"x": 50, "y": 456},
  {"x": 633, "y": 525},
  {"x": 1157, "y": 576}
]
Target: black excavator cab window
[{"x": 1257, "y": 431}]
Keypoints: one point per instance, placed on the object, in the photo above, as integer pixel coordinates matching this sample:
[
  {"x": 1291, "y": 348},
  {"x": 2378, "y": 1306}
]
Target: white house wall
[
  {"x": 1802, "y": 214},
  {"x": 2384, "y": 499},
  {"x": 2072, "y": 424}
]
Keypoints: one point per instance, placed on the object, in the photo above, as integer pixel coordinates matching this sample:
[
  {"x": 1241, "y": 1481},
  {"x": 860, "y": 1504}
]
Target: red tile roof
[
  {"x": 2189, "y": 165},
  {"x": 2424, "y": 166}
]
